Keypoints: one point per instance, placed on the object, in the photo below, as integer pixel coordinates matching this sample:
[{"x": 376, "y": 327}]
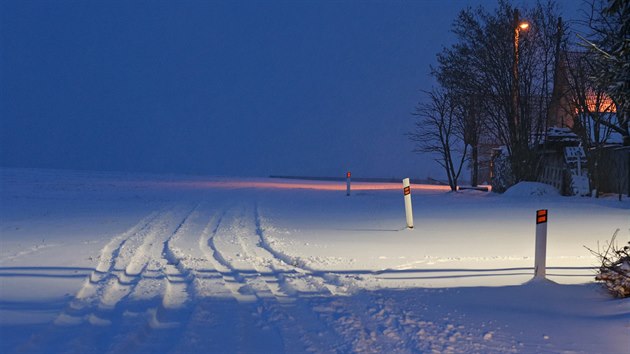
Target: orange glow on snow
[{"x": 290, "y": 184}]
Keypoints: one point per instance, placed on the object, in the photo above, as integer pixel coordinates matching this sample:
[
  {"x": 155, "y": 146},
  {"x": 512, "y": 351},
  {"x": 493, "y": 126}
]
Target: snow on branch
[{"x": 614, "y": 271}]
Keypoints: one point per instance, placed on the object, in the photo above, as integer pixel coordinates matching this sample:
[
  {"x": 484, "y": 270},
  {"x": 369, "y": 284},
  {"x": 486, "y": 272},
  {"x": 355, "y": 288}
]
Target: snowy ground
[{"x": 98, "y": 262}]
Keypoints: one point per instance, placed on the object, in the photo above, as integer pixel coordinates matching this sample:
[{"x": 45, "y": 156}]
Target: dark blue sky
[{"x": 246, "y": 88}]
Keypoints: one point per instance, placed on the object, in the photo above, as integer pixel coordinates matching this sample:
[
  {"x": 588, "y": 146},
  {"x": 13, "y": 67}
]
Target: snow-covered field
[{"x": 111, "y": 263}]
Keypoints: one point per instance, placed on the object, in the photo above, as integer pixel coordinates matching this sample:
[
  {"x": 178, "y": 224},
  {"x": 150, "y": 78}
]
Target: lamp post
[{"x": 518, "y": 27}]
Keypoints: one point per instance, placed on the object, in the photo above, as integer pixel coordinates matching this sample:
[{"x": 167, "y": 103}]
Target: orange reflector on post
[
  {"x": 406, "y": 190},
  {"x": 541, "y": 216}
]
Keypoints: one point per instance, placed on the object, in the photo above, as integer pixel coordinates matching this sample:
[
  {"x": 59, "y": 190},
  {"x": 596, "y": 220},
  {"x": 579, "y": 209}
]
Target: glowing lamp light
[{"x": 523, "y": 25}]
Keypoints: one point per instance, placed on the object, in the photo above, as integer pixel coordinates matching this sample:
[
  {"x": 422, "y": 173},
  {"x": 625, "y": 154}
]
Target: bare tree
[
  {"x": 436, "y": 132},
  {"x": 591, "y": 109},
  {"x": 503, "y": 78},
  {"x": 456, "y": 74},
  {"x": 470, "y": 125},
  {"x": 609, "y": 22}
]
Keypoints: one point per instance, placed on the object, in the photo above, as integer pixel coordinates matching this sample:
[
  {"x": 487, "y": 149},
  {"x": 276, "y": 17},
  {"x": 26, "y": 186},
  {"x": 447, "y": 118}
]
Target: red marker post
[
  {"x": 408, "y": 209},
  {"x": 540, "y": 260},
  {"x": 348, "y": 175}
]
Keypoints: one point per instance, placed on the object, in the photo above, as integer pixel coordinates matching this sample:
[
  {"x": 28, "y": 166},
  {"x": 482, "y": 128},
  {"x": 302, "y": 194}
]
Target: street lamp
[{"x": 518, "y": 27}]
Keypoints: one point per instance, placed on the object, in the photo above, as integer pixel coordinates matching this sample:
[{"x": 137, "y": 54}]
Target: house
[{"x": 579, "y": 151}]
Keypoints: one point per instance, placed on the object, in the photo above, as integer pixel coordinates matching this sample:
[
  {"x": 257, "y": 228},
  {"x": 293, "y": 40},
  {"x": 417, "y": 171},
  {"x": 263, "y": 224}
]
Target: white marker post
[
  {"x": 348, "y": 183},
  {"x": 408, "y": 210},
  {"x": 540, "y": 259}
]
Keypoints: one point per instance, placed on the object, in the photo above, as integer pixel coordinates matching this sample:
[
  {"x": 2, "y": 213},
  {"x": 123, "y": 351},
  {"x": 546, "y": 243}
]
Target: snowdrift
[{"x": 531, "y": 189}]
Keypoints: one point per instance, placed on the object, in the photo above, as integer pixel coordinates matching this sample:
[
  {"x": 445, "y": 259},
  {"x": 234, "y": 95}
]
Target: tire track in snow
[
  {"x": 215, "y": 308},
  {"x": 126, "y": 262},
  {"x": 358, "y": 328},
  {"x": 232, "y": 278},
  {"x": 158, "y": 328},
  {"x": 267, "y": 268},
  {"x": 173, "y": 310},
  {"x": 264, "y": 281},
  {"x": 225, "y": 314},
  {"x": 179, "y": 278},
  {"x": 177, "y": 293},
  {"x": 323, "y": 282},
  {"x": 206, "y": 284},
  {"x": 84, "y": 307},
  {"x": 88, "y": 295},
  {"x": 139, "y": 264},
  {"x": 211, "y": 299},
  {"x": 162, "y": 328},
  {"x": 376, "y": 323},
  {"x": 241, "y": 262},
  {"x": 239, "y": 247}
]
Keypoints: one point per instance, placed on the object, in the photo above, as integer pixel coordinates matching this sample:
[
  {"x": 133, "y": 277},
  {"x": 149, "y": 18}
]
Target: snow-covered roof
[{"x": 556, "y": 134}]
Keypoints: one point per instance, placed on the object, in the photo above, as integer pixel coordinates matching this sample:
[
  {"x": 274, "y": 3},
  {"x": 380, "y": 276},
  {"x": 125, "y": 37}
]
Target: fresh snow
[
  {"x": 112, "y": 263},
  {"x": 531, "y": 189}
]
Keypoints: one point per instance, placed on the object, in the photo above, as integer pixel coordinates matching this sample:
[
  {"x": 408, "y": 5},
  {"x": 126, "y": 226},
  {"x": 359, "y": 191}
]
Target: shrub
[{"x": 614, "y": 271}]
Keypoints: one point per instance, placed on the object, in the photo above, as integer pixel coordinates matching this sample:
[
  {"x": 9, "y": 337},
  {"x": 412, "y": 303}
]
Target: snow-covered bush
[{"x": 614, "y": 271}]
